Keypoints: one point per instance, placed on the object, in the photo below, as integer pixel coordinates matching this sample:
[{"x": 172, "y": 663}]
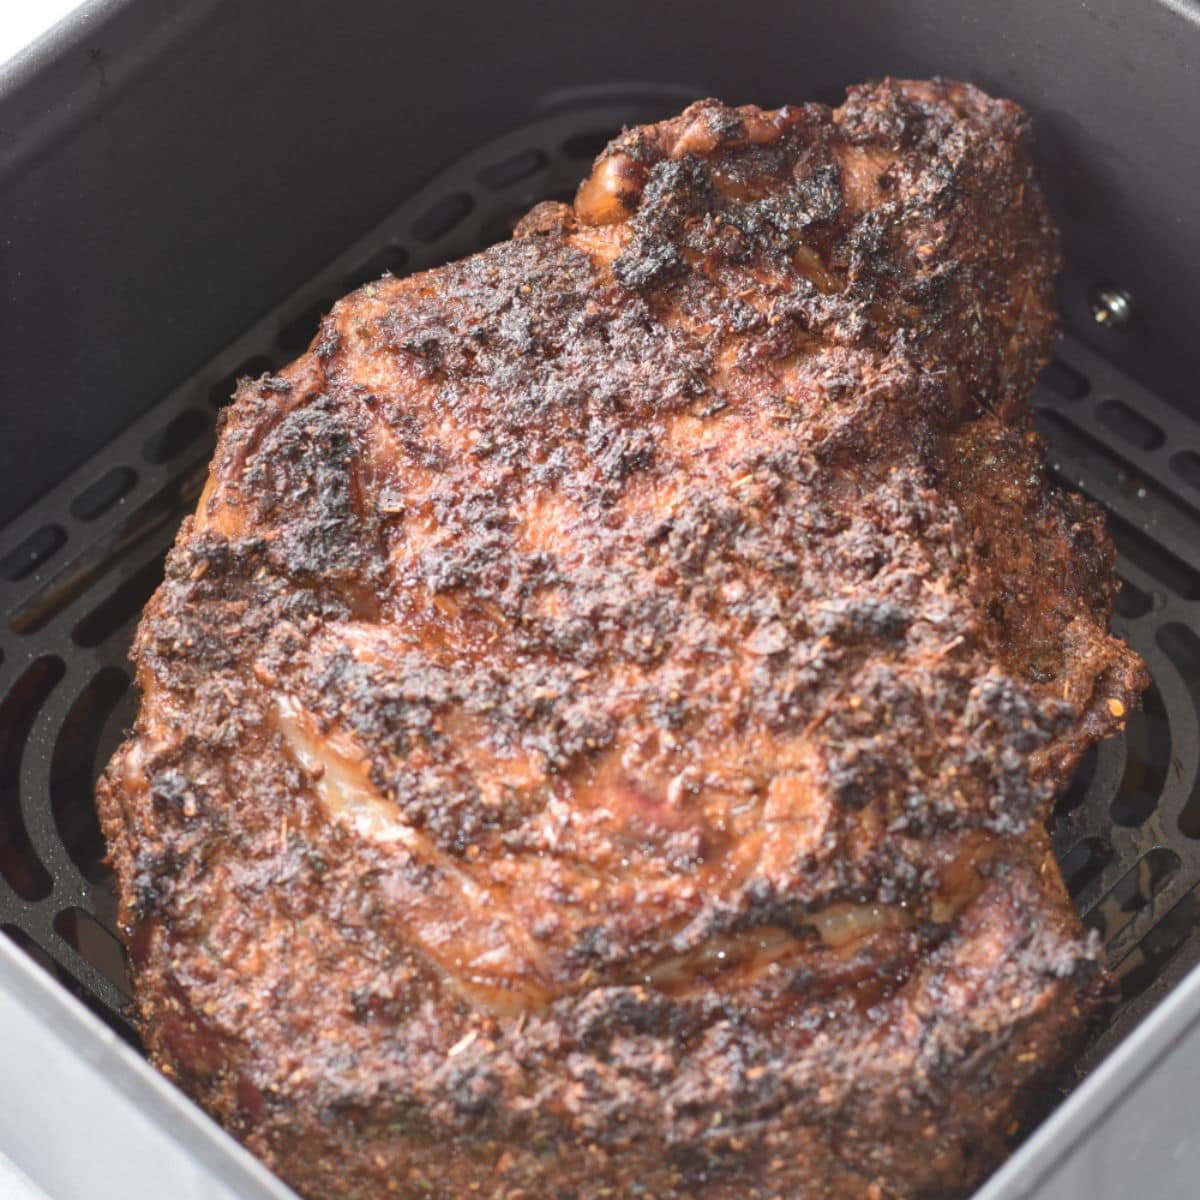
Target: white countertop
[
  {"x": 16, "y": 1186},
  {"x": 21, "y": 22}
]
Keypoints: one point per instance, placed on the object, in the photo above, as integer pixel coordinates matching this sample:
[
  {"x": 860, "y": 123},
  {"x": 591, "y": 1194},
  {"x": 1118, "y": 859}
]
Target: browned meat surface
[{"x": 599, "y": 726}]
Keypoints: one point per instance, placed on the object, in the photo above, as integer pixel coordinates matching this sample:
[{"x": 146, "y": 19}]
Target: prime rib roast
[{"x": 599, "y": 726}]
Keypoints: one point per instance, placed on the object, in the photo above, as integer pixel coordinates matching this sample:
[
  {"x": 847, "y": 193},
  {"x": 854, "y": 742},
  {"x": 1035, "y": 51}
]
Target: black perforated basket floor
[{"x": 76, "y": 569}]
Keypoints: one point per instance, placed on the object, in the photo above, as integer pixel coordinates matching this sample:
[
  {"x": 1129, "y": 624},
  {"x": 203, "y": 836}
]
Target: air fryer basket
[{"x": 78, "y": 564}]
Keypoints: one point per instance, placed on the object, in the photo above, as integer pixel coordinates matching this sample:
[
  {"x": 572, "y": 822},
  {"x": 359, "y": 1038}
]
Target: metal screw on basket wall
[{"x": 1111, "y": 307}]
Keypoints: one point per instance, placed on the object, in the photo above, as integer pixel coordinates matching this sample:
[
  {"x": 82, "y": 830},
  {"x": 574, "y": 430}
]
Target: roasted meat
[{"x": 599, "y": 727}]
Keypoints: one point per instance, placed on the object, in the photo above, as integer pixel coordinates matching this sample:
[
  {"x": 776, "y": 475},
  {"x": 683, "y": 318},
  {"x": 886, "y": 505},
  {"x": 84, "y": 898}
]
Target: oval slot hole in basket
[
  {"x": 585, "y": 146},
  {"x": 1096, "y": 466},
  {"x": 1130, "y": 425},
  {"x": 1132, "y": 892},
  {"x": 88, "y": 737},
  {"x": 1182, "y": 647},
  {"x": 1148, "y": 751},
  {"x": 1077, "y": 789},
  {"x": 100, "y": 496},
  {"x": 1159, "y": 946},
  {"x": 391, "y": 260},
  {"x": 1084, "y": 863},
  {"x": 1132, "y": 602},
  {"x": 123, "y": 604},
  {"x": 1186, "y": 464},
  {"x": 439, "y": 220},
  {"x": 513, "y": 169},
  {"x": 1174, "y": 574},
  {"x": 19, "y": 864},
  {"x": 1064, "y": 380},
  {"x": 99, "y": 946},
  {"x": 32, "y": 552},
  {"x": 300, "y": 331},
  {"x": 175, "y": 436}
]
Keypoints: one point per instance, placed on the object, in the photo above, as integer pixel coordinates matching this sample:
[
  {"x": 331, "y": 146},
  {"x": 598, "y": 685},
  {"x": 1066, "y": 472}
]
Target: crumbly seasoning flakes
[{"x": 598, "y": 725}]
